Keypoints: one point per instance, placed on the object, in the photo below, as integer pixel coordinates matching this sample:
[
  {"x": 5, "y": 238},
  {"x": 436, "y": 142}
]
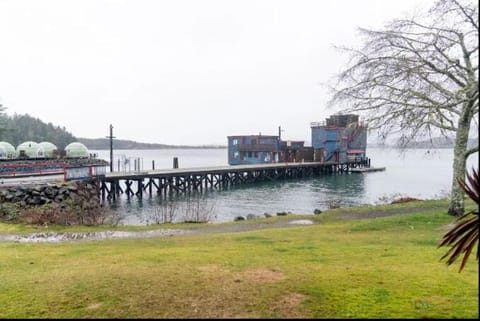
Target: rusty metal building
[
  {"x": 343, "y": 138},
  {"x": 340, "y": 139}
]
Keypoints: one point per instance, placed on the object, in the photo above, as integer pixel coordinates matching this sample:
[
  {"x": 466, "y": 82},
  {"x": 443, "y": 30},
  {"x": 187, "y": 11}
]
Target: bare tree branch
[{"x": 417, "y": 77}]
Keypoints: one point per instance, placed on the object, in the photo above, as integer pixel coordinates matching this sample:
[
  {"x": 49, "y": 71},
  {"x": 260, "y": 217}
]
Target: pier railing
[{"x": 27, "y": 169}]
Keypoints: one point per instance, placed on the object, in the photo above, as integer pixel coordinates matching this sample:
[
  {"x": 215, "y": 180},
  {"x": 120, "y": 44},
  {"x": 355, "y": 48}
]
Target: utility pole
[
  {"x": 111, "y": 147},
  {"x": 280, "y": 132}
]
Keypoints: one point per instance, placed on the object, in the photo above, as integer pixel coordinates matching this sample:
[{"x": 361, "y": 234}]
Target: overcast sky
[{"x": 180, "y": 72}]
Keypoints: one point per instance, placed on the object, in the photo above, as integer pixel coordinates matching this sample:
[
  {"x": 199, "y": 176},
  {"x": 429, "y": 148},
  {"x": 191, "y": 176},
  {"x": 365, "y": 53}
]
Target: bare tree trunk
[
  {"x": 457, "y": 203},
  {"x": 419, "y": 77}
]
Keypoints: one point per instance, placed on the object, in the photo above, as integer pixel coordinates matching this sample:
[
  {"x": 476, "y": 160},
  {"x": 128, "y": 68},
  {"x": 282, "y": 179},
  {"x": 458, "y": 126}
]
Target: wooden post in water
[
  {"x": 153, "y": 164},
  {"x": 175, "y": 162}
]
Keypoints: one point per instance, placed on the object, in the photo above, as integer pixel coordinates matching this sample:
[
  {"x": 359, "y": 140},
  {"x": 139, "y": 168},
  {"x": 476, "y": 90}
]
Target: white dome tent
[
  {"x": 29, "y": 149},
  {"x": 76, "y": 149},
  {"x": 7, "y": 150},
  {"x": 49, "y": 149}
]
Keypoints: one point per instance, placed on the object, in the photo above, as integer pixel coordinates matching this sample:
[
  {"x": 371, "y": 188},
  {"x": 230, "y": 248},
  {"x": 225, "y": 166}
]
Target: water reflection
[
  {"x": 340, "y": 190},
  {"x": 157, "y": 209},
  {"x": 223, "y": 205},
  {"x": 418, "y": 173}
]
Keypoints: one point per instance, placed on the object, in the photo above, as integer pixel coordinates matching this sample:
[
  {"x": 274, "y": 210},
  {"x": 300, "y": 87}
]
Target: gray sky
[{"x": 179, "y": 72}]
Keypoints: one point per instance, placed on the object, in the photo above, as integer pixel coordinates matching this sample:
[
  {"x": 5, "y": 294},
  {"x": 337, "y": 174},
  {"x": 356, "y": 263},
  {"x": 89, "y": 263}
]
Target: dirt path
[{"x": 237, "y": 227}]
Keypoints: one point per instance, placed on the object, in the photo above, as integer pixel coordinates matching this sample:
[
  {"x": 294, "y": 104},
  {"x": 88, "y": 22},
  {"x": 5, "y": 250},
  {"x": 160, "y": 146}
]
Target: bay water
[{"x": 417, "y": 173}]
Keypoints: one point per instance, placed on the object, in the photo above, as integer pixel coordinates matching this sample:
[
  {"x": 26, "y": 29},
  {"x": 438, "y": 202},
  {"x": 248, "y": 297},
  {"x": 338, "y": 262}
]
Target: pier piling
[{"x": 196, "y": 179}]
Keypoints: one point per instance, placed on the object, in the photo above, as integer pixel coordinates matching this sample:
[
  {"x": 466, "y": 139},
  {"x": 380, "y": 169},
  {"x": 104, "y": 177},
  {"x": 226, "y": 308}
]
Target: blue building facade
[
  {"x": 264, "y": 149},
  {"x": 339, "y": 139},
  {"x": 343, "y": 138},
  {"x": 253, "y": 149}
]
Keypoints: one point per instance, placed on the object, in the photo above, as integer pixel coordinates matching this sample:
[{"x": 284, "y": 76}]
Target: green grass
[{"x": 368, "y": 268}]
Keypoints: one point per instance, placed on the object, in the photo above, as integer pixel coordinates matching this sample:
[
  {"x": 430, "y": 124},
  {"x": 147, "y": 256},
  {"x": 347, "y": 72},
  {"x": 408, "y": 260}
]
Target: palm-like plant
[{"x": 464, "y": 235}]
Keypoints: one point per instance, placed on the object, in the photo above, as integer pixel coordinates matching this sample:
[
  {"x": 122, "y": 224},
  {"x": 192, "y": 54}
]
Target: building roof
[{"x": 254, "y": 136}]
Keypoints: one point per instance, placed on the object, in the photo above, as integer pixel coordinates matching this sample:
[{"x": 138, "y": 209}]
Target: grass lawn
[{"x": 387, "y": 267}]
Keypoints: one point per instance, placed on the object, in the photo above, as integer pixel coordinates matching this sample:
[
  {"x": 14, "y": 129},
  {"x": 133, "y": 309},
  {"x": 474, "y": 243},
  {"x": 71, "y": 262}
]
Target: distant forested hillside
[
  {"x": 21, "y": 128},
  {"x": 17, "y": 129},
  {"x": 440, "y": 142},
  {"x": 104, "y": 143}
]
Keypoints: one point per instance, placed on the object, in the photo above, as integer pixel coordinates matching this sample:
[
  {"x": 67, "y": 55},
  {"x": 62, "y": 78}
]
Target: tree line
[
  {"x": 17, "y": 129},
  {"x": 104, "y": 143}
]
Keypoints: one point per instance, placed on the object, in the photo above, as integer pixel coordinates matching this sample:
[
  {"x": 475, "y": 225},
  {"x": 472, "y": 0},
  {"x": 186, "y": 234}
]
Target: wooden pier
[
  {"x": 176, "y": 181},
  {"x": 367, "y": 169}
]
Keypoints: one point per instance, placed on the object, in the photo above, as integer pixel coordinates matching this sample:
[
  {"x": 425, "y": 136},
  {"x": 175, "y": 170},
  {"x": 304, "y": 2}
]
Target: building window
[
  {"x": 236, "y": 155},
  {"x": 235, "y": 142}
]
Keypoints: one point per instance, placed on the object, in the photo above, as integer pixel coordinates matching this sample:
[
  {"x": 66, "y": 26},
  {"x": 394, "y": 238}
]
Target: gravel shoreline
[{"x": 55, "y": 237}]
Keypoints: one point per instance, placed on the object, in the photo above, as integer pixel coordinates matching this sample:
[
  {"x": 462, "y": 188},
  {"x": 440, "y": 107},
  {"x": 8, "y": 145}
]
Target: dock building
[
  {"x": 343, "y": 138},
  {"x": 340, "y": 138}
]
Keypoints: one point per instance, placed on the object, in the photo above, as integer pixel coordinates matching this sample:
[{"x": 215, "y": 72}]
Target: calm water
[{"x": 419, "y": 173}]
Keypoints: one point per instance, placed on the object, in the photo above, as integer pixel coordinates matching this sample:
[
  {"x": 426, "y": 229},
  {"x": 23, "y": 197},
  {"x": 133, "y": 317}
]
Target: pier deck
[
  {"x": 367, "y": 169},
  {"x": 182, "y": 180}
]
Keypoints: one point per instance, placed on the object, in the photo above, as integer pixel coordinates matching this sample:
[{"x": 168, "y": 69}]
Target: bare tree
[
  {"x": 418, "y": 77},
  {"x": 165, "y": 212},
  {"x": 198, "y": 210}
]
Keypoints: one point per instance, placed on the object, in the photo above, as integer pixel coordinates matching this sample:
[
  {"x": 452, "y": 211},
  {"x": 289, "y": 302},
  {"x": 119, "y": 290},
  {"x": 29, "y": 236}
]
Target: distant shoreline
[
  {"x": 225, "y": 147},
  {"x": 122, "y": 144},
  {"x": 118, "y": 144},
  {"x": 157, "y": 148}
]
